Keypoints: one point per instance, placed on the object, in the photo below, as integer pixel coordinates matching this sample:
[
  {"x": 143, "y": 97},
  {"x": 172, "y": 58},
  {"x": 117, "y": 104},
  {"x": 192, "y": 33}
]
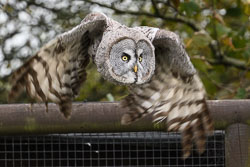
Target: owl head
[{"x": 126, "y": 56}]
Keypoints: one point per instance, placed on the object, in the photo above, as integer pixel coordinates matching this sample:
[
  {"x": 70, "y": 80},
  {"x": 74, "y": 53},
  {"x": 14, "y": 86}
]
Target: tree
[{"x": 216, "y": 35}]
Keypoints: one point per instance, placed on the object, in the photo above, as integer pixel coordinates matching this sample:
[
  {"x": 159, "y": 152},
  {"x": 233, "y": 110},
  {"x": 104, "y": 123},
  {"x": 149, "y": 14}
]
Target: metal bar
[
  {"x": 236, "y": 145},
  {"x": 102, "y": 117}
]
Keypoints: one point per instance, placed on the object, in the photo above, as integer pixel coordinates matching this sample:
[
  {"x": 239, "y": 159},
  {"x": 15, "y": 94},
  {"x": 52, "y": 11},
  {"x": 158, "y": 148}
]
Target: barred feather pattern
[
  {"x": 54, "y": 74},
  {"x": 177, "y": 101}
]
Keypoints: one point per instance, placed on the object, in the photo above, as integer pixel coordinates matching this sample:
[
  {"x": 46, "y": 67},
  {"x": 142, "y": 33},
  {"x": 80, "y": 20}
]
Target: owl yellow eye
[
  {"x": 140, "y": 59},
  {"x": 125, "y": 58}
]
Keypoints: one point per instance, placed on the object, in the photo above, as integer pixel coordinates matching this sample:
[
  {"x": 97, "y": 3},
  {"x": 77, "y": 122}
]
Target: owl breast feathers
[{"x": 151, "y": 62}]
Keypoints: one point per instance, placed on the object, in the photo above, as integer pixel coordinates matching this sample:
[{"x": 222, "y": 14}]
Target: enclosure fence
[{"x": 93, "y": 136}]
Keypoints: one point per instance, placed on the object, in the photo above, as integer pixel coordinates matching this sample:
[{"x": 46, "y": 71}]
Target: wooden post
[{"x": 237, "y": 145}]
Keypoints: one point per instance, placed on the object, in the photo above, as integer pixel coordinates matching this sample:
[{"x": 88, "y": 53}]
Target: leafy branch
[
  {"x": 221, "y": 58},
  {"x": 178, "y": 19}
]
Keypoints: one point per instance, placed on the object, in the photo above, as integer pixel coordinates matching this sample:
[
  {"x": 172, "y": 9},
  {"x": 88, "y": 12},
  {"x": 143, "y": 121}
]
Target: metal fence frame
[{"x": 233, "y": 116}]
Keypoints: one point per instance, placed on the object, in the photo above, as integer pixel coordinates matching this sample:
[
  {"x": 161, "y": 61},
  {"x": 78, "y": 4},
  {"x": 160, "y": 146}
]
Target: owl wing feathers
[
  {"x": 175, "y": 94},
  {"x": 57, "y": 71}
]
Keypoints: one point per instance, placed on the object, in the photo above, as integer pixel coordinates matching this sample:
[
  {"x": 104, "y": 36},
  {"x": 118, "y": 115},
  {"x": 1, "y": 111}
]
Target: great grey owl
[{"x": 152, "y": 62}]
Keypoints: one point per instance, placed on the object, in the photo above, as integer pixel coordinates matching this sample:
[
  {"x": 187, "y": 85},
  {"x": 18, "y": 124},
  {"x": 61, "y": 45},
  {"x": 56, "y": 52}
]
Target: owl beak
[{"x": 135, "y": 68}]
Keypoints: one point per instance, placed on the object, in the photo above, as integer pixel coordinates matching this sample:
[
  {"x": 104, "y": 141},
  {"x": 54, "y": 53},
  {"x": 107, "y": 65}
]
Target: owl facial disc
[{"x": 132, "y": 62}]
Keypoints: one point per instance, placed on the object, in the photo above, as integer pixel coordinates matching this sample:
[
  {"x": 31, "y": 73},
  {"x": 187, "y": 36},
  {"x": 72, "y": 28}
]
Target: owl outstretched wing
[
  {"x": 56, "y": 72},
  {"x": 175, "y": 95}
]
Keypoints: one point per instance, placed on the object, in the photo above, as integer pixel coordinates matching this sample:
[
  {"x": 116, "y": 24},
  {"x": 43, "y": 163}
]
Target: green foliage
[
  {"x": 221, "y": 29},
  {"x": 241, "y": 93},
  {"x": 200, "y": 40},
  {"x": 190, "y": 8},
  {"x": 96, "y": 88}
]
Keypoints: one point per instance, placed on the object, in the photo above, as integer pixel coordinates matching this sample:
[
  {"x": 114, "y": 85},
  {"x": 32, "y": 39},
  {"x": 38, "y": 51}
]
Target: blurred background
[{"x": 216, "y": 34}]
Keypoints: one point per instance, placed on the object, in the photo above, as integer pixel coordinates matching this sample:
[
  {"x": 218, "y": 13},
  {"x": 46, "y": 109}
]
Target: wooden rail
[{"x": 102, "y": 117}]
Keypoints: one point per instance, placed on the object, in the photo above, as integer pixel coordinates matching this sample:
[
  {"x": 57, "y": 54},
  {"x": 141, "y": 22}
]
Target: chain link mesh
[{"x": 107, "y": 149}]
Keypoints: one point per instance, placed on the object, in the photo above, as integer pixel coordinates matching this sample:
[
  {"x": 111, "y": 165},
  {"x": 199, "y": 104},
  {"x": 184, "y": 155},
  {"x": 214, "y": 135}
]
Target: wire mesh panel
[{"x": 107, "y": 149}]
